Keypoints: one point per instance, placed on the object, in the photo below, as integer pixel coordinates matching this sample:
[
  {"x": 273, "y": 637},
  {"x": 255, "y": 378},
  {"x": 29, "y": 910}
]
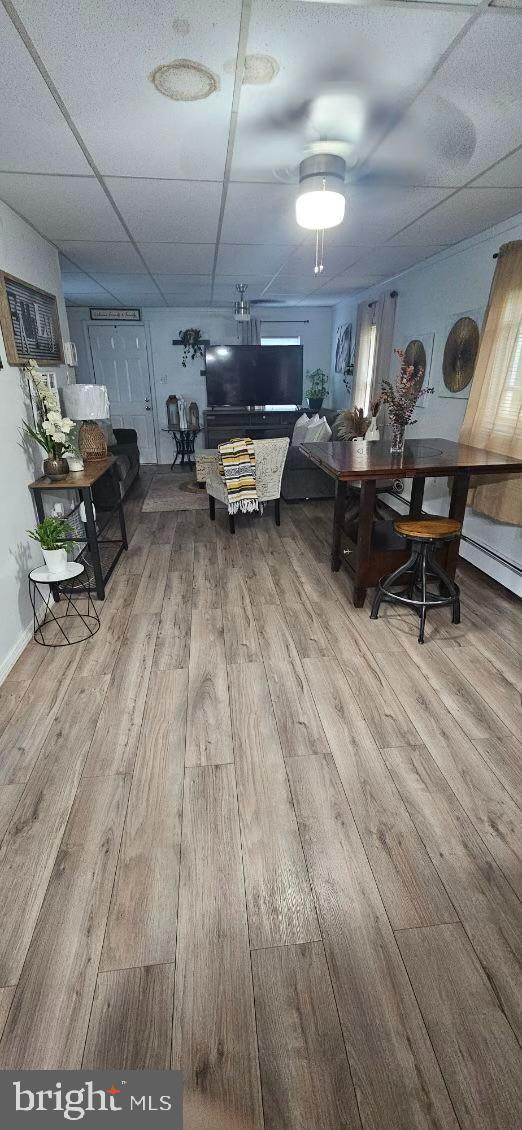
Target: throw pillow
[
  {"x": 318, "y": 431},
  {"x": 299, "y": 431}
]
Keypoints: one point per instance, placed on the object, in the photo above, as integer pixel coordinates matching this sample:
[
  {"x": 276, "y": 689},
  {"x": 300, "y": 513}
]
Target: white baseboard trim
[
  {"x": 475, "y": 554},
  {"x": 15, "y": 652},
  {"x": 23, "y": 639}
]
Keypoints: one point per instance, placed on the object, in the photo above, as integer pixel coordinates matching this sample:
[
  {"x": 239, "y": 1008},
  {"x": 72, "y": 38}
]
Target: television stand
[{"x": 222, "y": 424}]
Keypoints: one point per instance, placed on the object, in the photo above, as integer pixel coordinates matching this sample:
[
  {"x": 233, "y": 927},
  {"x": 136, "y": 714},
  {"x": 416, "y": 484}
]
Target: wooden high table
[{"x": 370, "y": 548}]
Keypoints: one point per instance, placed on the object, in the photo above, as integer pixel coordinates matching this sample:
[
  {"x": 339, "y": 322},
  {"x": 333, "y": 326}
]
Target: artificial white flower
[
  {"x": 48, "y": 427},
  {"x": 54, "y": 416},
  {"x": 67, "y": 425},
  {"x": 59, "y": 437}
]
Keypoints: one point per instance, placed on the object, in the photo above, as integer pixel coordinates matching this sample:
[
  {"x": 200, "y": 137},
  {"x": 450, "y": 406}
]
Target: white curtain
[
  {"x": 250, "y": 332},
  {"x": 493, "y": 417},
  {"x": 374, "y": 343},
  {"x": 364, "y": 337},
  {"x": 385, "y": 332}
]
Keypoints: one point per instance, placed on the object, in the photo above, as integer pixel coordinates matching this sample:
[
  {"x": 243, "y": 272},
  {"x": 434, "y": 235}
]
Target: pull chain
[
  {"x": 319, "y": 252},
  {"x": 319, "y": 245}
]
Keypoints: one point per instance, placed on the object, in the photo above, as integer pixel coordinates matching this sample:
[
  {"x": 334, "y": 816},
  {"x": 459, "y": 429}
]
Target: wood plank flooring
[{"x": 248, "y": 832}]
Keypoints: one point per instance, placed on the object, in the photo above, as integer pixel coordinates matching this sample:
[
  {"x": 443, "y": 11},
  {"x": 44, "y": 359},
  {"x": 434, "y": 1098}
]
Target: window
[
  {"x": 279, "y": 341},
  {"x": 370, "y": 375}
]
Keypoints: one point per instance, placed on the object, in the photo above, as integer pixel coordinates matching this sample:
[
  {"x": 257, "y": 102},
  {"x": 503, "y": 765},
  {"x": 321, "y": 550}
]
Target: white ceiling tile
[
  {"x": 250, "y": 258},
  {"x": 128, "y": 126},
  {"x": 97, "y": 256},
  {"x": 168, "y": 209},
  {"x": 35, "y": 136},
  {"x": 186, "y": 296},
  {"x": 62, "y": 208},
  {"x": 175, "y": 282},
  {"x": 79, "y": 288},
  {"x": 392, "y": 258},
  {"x": 132, "y": 288},
  {"x": 129, "y": 281},
  {"x": 507, "y": 174},
  {"x": 469, "y": 115},
  {"x": 178, "y": 258},
  {"x": 467, "y": 212},
  {"x": 261, "y": 213},
  {"x": 378, "y": 211},
  {"x": 68, "y": 268},
  {"x": 337, "y": 256},
  {"x": 351, "y": 280}
]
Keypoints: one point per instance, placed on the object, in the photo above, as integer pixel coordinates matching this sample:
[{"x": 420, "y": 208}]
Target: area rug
[{"x": 174, "y": 490}]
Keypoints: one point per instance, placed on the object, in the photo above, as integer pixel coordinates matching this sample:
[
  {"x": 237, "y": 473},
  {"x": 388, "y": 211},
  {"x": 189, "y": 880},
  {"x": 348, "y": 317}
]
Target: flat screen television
[{"x": 241, "y": 376}]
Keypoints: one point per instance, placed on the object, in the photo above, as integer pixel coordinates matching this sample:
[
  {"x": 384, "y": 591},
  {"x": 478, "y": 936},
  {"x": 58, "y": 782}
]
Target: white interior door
[{"x": 120, "y": 361}]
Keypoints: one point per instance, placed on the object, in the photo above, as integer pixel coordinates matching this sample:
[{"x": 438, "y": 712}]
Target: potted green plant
[
  {"x": 53, "y": 535},
  {"x": 192, "y": 343},
  {"x": 317, "y": 388},
  {"x": 52, "y": 430}
]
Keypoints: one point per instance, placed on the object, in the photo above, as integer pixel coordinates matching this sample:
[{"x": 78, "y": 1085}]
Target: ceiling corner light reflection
[{"x": 321, "y": 203}]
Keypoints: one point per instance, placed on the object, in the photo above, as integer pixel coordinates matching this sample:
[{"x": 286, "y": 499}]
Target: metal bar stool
[{"x": 424, "y": 535}]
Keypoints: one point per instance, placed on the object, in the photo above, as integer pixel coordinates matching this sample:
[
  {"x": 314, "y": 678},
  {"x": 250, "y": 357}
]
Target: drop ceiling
[{"x": 154, "y": 202}]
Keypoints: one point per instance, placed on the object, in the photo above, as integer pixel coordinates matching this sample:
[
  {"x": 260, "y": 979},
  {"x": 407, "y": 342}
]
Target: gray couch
[
  {"x": 127, "y": 469},
  {"x": 301, "y": 478}
]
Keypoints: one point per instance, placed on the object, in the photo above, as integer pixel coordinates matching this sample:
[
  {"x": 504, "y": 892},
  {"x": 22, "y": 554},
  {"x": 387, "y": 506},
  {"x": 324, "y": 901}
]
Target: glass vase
[{"x": 397, "y": 439}]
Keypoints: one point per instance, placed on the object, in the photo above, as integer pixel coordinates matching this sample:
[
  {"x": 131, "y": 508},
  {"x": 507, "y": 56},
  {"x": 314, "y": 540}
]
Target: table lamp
[{"x": 88, "y": 403}]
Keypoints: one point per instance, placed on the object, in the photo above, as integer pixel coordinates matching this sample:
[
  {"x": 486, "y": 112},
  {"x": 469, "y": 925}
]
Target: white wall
[
  {"x": 431, "y": 297},
  {"x": 31, "y": 258},
  {"x": 312, "y": 324}
]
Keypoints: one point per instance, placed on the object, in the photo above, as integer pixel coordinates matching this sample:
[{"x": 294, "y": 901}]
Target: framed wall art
[
  {"x": 29, "y": 321},
  {"x": 460, "y": 352},
  {"x": 418, "y": 351},
  {"x": 344, "y": 350},
  {"x": 102, "y": 314}
]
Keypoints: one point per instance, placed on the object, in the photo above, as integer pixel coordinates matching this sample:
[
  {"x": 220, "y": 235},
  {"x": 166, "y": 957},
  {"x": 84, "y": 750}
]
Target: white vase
[
  {"x": 75, "y": 461},
  {"x": 373, "y": 431},
  {"x": 55, "y": 559},
  {"x": 359, "y": 444}
]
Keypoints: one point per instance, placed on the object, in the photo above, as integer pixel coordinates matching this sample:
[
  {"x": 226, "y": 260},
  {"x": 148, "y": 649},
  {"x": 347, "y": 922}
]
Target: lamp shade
[
  {"x": 319, "y": 209},
  {"x": 321, "y": 203},
  {"x": 86, "y": 402}
]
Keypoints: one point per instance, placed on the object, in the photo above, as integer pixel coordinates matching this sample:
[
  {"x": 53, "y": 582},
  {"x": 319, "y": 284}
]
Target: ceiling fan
[
  {"x": 349, "y": 119},
  {"x": 242, "y": 305}
]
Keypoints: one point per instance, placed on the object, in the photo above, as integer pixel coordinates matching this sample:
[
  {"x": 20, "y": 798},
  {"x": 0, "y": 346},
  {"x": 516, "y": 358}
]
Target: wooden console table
[
  {"x": 370, "y": 549},
  {"x": 82, "y": 481}
]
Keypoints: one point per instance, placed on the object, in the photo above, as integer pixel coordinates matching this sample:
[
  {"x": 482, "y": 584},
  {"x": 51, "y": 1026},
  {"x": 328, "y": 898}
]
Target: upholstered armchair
[{"x": 270, "y": 460}]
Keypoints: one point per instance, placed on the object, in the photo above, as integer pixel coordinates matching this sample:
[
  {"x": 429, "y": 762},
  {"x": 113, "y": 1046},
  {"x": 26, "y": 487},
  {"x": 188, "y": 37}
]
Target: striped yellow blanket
[{"x": 237, "y": 465}]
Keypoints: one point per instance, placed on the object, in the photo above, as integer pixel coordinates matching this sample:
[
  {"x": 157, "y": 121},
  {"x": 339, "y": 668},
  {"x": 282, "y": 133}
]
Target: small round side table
[
  {"x": 72, "y": 625},
  {"x": 184, "y": 440}
]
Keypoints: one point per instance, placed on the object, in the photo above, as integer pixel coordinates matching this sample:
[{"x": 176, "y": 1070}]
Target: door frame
[{"x": 150, "y": 367}]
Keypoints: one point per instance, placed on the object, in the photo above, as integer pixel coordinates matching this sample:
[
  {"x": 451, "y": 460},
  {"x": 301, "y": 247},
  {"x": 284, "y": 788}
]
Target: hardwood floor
[{"x": 248, "y": 832}]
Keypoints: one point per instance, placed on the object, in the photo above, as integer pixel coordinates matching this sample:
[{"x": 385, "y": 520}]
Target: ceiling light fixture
[
  {"x": 242, "y": 305},
  {"x": 321, "y": 202}
]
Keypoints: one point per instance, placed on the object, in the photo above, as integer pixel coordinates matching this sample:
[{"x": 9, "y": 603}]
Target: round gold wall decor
[
  {"x": 460, "y": 354},
  {"x": 415, "y": 354}
]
